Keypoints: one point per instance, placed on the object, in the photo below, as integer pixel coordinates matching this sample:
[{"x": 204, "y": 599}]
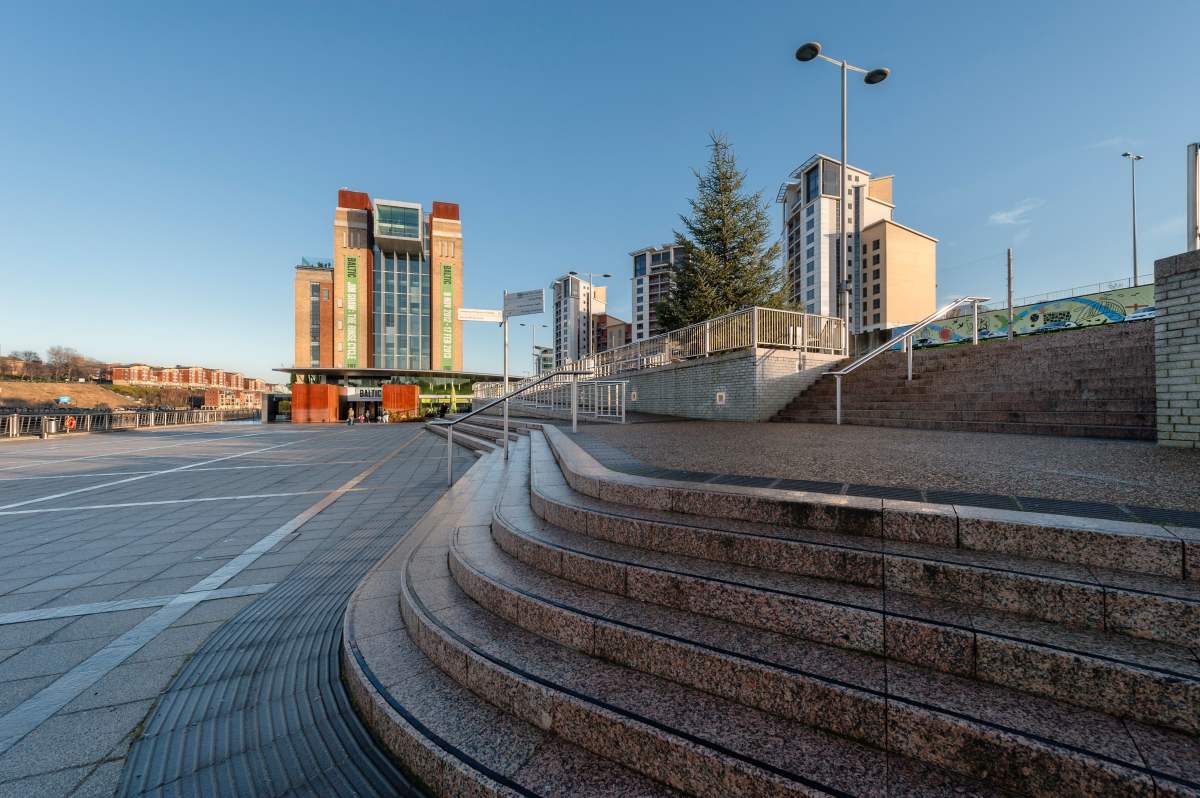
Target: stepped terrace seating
[{"x": 554, "y": 628}]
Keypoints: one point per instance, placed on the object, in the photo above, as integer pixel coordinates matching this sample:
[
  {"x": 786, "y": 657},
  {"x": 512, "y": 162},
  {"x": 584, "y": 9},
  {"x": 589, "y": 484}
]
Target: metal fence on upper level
[
  {"x": 15, "y": 425},
  {"x": 602, "y": 395},
  {"x": 761, "y": 327}
]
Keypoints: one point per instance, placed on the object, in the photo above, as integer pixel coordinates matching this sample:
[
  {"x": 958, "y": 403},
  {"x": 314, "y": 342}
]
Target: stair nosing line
[
  {"x": 870, "y": 691},
  {"x": 881, "y": 552},
  {"x": 836, "y": 603},
  {"x": 428, "y": 733},
  {"x": 689, "y": 737}
]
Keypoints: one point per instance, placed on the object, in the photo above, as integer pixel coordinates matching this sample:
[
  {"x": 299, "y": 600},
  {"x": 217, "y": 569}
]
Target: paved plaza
[
  {"x": 1135, "y": 473},
  {"x": 173, "y": 599}
]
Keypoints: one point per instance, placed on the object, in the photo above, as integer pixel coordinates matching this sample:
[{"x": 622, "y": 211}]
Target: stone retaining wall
[
  {"x": 1177, "y": 349},
  {"x": 746, "y": 385}
]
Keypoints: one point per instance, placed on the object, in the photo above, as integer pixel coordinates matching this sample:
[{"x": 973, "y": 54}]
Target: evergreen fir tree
[{"x": 729, "y": 259}]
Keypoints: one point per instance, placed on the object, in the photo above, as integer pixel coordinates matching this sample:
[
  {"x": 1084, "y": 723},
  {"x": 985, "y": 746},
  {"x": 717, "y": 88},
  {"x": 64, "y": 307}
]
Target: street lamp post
[
  {"x": 533, "y": 328},
  {"x": 1133, "y": 159},
  {"x": 808, "y": 52},
  {"x": 591, "y": 288}
]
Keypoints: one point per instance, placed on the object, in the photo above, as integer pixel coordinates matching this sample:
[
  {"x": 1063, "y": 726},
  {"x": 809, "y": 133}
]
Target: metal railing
[
  {"x": 905, "y": 339},
  {"x": 1083, "y": 290},
  {"x": 15, "y": 425},
  {"x": 742, "y": 329},
  {"x": 602, "y": 400},
  {"x": 525, "y": 385}
]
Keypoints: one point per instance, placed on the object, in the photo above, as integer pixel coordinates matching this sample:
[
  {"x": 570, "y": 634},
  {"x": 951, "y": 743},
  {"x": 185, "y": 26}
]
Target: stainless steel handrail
[
  {"x": 450, "y": 423},
  {"x": 905, "y": 339}
]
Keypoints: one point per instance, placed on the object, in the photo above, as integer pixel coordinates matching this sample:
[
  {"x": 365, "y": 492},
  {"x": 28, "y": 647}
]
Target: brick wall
[
  {"x": 754, "y": 386},
  {"x": 1177, "y": 349}
]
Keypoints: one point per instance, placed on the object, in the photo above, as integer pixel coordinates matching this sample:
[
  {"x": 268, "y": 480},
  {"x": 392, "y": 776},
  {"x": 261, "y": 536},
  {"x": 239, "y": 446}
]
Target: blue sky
[{"x": 166, "y": 164}]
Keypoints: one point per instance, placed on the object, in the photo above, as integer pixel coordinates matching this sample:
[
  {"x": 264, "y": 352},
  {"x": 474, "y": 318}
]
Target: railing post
[
  {"x": 707, "y": 338},
  {"x": 14, "y": 426},
  {"x": 449, "y": 455},
  {"x": 754, "y": 327},
  {"x": 574, "y": 403},
  {"x": 975, "y": 323},
  {"x": 908, "y": 346},
  {"x": 838, "y": 414}
]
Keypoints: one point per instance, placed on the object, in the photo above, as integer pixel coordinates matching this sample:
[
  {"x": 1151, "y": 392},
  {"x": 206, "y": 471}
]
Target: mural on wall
[{"x": 1122, "y": 304}]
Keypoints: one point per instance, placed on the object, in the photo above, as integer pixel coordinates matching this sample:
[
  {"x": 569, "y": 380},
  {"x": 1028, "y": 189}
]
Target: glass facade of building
[
  {"x": 314, "y": 323},
  {"x": 401, "y": 310}
]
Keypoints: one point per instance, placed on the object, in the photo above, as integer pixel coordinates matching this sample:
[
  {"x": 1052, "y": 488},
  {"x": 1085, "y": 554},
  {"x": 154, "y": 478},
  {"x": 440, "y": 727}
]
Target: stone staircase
[
  {"x": 1095, "y": 382},
  {"x": 555, "y": 628}
]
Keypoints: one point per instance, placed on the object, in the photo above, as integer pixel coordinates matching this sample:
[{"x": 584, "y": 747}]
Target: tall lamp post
[
  {"x": 533, "y": 328},
  {"x": 808, "y": 52},
  {"x": 1133, "y": 159},
  {"x": 591, "y": 288}
]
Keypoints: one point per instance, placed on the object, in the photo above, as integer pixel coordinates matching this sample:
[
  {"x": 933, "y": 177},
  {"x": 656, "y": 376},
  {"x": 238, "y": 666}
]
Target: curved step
[
  {"x": 1143, "y": 548},
  {"x": 696, "y": 742},
  {"x": 1032, "y": 745},
  {"x": 452, "y": 741},
  {"x": 1154, "y": 682}
]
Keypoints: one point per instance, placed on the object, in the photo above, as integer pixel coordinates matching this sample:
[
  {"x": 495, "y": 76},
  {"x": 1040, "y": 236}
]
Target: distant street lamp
[
  {"x": 591, "y": 288},
  {"x": 1133, "y": 159},
  {"x": 533, "y": 328},
  {"x": 808, "y": 52}
]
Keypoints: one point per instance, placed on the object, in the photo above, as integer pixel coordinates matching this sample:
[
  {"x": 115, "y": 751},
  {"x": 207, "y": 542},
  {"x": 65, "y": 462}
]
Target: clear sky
[{"x": 165, "y": 165}]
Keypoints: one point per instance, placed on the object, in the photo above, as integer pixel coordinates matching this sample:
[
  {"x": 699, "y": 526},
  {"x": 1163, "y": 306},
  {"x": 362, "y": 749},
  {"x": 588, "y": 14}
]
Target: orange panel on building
[
  {"x": 402, "y": 399},
  {"x": 314, "y": 404}
]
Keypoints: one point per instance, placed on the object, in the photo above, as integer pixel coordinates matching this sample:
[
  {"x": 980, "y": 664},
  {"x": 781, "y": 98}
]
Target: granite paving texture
[
  {"x": 1123, "y": 480},
  {"x": 151, "y": 514}
]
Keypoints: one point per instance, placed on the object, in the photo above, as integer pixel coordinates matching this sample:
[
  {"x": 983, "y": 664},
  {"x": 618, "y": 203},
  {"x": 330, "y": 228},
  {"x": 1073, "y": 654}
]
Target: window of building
[
  {"x": 809, "y": 224},
  {"x": 810, "y": 253},
  {"x": 875, "y": 244},
  {"x": 875, "y": 274},
  {"x": 810, "y": 267},
  {"x": 811, "y": 294},
  {"x": 864, "y": 249},
  {"x": 811, "y": 280},
  {"x": 325, "y": 294},
  {"x": 875, "y": 304},
  {"x": 810, "y": 238},
  {"x": 639, "y": 265},
  {"x": 812, "y": 184},
  {"x": 875, "y": 318},
  {"x": 809, "y": 210},
  {"x": 875, "y": 288},
  {"x": 864, "y": 308},
  {"x": 874, "y": 260}
]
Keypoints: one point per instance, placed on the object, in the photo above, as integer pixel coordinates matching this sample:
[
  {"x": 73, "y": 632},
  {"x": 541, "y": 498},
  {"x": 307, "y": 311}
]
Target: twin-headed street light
[
  {"x": 533, "y": 328},
  {"x": 809, "y": 52}
]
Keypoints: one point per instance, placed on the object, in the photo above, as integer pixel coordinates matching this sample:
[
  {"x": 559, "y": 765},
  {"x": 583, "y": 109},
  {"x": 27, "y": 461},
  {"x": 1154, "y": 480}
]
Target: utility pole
[{"x": 1010, "y": 312}]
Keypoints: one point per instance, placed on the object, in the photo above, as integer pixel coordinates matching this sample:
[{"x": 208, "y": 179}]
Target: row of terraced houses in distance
[{"x": 222, "y": 389}]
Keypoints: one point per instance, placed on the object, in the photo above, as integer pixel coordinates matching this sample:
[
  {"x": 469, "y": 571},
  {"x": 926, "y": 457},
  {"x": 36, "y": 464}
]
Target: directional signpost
[{"x": 518, "y": 303}]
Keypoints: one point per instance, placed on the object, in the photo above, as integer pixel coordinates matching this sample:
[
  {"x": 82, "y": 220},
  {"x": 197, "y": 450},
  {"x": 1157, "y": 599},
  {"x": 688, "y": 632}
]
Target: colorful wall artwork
[{"x": 1108, "y": 307}]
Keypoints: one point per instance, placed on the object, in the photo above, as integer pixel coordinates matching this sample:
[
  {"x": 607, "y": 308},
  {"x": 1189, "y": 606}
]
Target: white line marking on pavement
[
  {"x": 120, "y": 605},
  {"x": 125, "y": 451},
  {"x": 83, "y": 474},
  {"x": 34, "y": 711},
  {"x": 145, "y": 476},
  {"x": 163, "y": 501}
]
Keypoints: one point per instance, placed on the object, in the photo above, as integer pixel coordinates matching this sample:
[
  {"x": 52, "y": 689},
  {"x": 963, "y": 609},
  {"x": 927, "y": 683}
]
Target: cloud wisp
[{"x": 1017, "y": 214}]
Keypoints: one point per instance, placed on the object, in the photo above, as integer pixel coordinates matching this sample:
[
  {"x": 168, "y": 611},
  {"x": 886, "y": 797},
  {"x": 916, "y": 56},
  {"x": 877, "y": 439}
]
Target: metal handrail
[
  {"x": 905, "y": 339},
  {"x": 450, "y": 423}
]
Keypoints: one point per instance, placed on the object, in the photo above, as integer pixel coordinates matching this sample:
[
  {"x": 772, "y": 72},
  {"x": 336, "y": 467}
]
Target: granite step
[
  {"x": 1013, "y": 740},
  {"x": 1142, "y": 548},
  {"x": 693, "y": 741},
  {"x": 1137, "y": 605},
  {"x": 1008, "y": 428},
  {"x": 453, "y": 741},
  {"x": 473, "y": 443},
  {"x": 487, "y": 431},
  {"x": 1154, "y": 682}
]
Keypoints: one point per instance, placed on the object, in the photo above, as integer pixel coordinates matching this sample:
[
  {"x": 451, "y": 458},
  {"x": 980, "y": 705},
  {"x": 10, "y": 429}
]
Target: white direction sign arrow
[{"x": 476, "y": 314}]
